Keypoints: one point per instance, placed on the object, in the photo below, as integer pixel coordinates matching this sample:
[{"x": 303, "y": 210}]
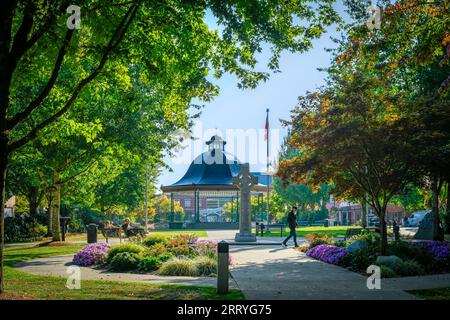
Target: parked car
[{"x": 415, "y": 218}]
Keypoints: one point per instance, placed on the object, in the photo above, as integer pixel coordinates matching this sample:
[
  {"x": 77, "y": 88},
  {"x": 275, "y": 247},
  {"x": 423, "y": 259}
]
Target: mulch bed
[{"x": 56, "y": 244}]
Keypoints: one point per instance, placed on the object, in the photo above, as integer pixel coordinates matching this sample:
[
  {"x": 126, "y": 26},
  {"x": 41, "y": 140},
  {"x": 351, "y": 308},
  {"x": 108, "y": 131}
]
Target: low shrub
[
  {"x": 408, "y": 268},
  {"x": 369, "y": 237},
  {"x": 152, "y": 239},
  {"x": 206, "y": 266},
  {"x": 23, "y": 228},
  {"x": 387, "y": 272},
  {"x": 179, "y": 267},
  {"x": 125, "y": 261},
  {"x": 403, "y": 250},
  {"x": 164, "y": 257},
  {"x": 150, "y": 264},
  {"x": 316, "y": 239},
  {"x": 206, "y": 248},
  {"x": 189, "y": 239},
  {"x": 327, "y": 253},
  {"x": 155, "y": 250},
  {"x": 121, "y": 248},
  {"x": 360, "y": 259},
  {"x": 91, "y": 254},
  {"x": 182, "y": 251},
  {"x": 343, "y": 243}
]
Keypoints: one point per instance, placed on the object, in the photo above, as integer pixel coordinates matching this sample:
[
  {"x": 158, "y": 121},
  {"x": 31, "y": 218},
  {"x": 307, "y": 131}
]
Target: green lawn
[
  {"x": 83, "y": 236},
  {"x": 46, "y": 287},
  {"x": 301, "y": 231},
  {"x": 432, "y": 294}
]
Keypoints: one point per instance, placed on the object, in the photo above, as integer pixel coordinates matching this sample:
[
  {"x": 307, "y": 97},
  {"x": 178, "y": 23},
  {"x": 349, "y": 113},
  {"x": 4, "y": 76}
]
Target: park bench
[
  {"x": 302, "y": 223},
  {"x": 317, "y": 223},
  {"x": 117, "y": 232},
  {"x": 269, "y": 226},
  {"x": 112, "y": 232},
  {"x": 350, "y": 233}
]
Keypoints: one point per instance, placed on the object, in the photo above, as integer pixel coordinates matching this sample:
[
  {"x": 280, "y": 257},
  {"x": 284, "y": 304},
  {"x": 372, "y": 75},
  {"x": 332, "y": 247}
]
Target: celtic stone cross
[{"x": 244, "y": 181}]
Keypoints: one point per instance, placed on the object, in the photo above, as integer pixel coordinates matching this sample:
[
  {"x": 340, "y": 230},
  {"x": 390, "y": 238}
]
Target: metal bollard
[{"x": 222, "y": 267}]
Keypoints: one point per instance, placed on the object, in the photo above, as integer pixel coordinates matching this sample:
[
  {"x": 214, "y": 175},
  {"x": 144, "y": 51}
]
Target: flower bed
[
  {"x": 438, "y": 250},
  {"x": 92, "y": 254},
  {"x": 180, "y": 255},
  {"x": 327, "y": 253},
  {"x": 417, "y": 257}
]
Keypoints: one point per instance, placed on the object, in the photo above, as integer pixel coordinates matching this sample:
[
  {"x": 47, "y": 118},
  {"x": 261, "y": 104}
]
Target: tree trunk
[
  {"x": 33, "y": 201},
  {"x": 383, "y": 232},
  {"x": 56, "y": 206},
  {"x": 437, "y": 232},
  {"x": 364, "y": 213},
  {"x": 447, "y": 211},
  {"x": 3, "y": 168}
]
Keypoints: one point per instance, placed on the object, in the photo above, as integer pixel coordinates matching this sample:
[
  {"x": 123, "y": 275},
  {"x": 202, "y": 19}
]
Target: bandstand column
[{"x": 171, "y": 207}]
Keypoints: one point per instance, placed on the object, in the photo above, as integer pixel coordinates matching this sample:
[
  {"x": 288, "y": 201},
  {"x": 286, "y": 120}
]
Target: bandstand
[{"x": 206, "y": 191}]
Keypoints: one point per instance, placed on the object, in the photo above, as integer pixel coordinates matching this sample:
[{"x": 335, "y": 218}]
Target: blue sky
[{"x": 246, "y": 109}]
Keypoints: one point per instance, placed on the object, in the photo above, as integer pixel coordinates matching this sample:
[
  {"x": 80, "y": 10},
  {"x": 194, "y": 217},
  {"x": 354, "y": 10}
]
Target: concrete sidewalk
[{"x": 286, "y": 274}]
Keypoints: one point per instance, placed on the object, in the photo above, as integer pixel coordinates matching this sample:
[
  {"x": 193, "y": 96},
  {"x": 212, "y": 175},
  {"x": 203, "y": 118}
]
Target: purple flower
[
  {"x": 439, "y": 250},
  {"x": 91, "y": 254},
  {"x": 327, "y": 253}
]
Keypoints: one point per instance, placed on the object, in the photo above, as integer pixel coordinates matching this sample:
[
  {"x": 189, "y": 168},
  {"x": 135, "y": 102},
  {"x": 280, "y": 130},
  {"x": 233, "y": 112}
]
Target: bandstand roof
[{"x": 212, "y": 170}]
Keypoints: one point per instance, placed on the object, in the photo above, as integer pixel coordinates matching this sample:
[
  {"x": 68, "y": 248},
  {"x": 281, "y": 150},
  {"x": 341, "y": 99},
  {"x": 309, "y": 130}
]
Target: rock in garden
[
  {"x": 358, "y": 244},
  {"x": 388, "y": 260}
]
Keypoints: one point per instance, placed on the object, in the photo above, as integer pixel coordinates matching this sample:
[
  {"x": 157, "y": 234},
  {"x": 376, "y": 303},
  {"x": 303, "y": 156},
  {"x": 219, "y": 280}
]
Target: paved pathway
[{"x": 277, "y": 273}]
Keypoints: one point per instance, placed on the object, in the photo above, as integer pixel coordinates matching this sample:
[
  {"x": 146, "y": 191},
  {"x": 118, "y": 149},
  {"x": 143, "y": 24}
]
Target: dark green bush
[
  {"x": 408, "y": 268},
  {"x": 121, "y": 248},
  {"x": 150, "y": 264},
  {"x": 387, "y": 272},
  {"x": 402, "y": 250},
  {"x": 23, "y": 229},
  {"x": 165, "y": 257},
  {"x": 359, "y": 260},
  {"x": 125, "y": 261}
]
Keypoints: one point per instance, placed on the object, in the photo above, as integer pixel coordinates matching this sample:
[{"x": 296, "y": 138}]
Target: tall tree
[{"x": 169, "y": 38}]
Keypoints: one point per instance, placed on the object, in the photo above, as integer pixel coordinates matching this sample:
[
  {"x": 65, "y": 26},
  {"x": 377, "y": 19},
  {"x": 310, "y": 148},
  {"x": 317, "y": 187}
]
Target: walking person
[{"x": 292, "y": 221}]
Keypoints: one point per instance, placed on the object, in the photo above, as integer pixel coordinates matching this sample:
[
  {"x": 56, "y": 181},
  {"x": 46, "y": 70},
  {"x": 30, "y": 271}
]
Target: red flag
[{"x": 266, "y": 128}]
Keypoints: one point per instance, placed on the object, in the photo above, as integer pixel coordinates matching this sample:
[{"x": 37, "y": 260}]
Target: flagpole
[{"x": 268, "y": 176}]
